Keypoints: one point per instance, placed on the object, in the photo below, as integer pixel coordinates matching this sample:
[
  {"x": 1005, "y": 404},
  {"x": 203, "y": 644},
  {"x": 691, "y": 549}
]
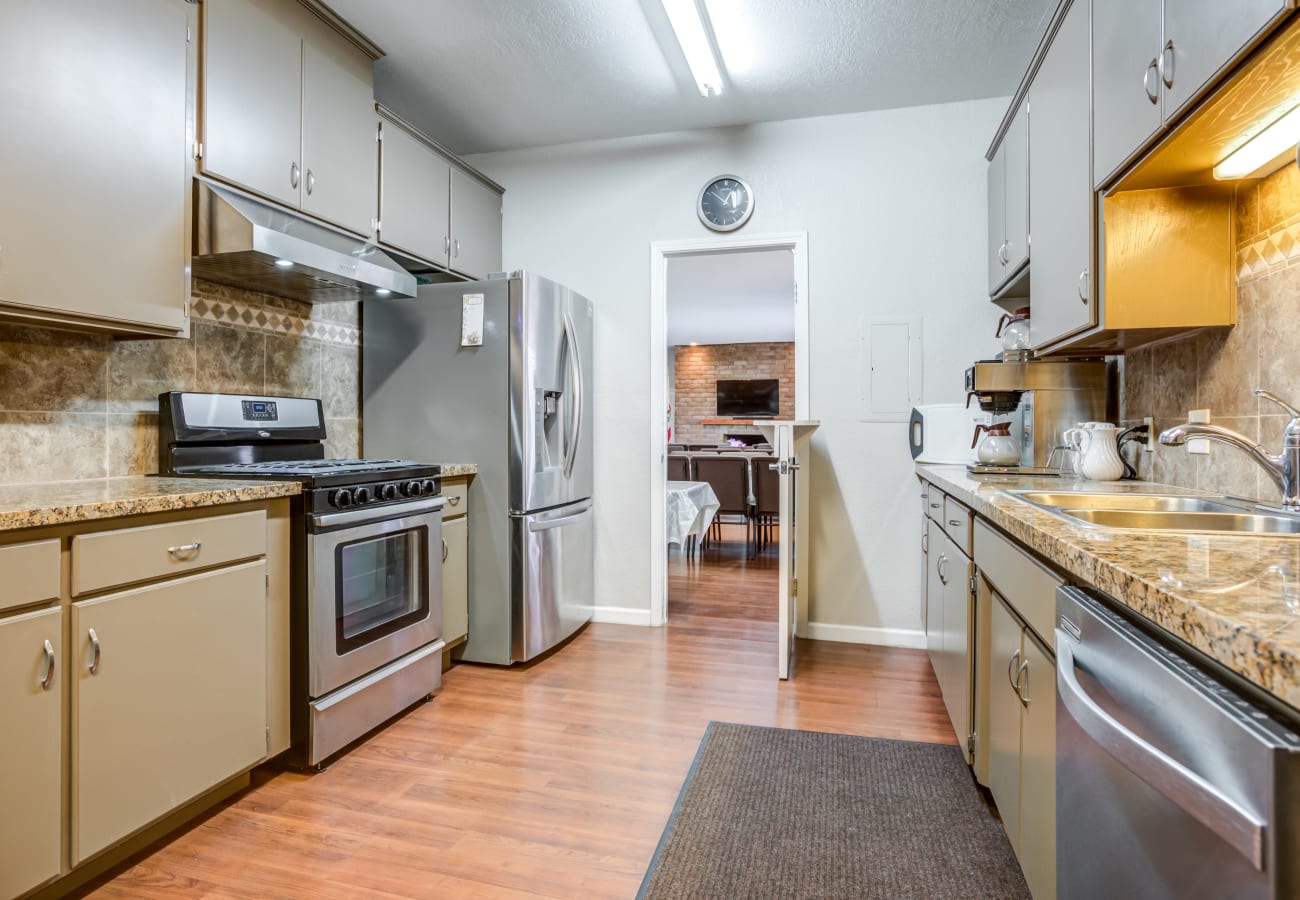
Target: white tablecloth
[{"x": 690, "y": 507}]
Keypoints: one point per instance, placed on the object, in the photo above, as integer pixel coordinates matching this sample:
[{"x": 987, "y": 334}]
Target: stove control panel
[
  {"x": 260, "y": 411},
  {"x": 381, "y": 492}
]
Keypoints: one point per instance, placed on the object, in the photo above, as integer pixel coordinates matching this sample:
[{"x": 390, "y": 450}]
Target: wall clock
[{"x": 725, "y": 203}]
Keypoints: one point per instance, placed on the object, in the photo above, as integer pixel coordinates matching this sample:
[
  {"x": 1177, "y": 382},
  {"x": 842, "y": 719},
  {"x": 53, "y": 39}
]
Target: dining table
[{"x": 689, "y": 508}]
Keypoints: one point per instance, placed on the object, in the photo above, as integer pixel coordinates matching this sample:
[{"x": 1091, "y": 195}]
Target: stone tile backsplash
[
  {"x": 1219, "y": 369},
  {"x": 76, "y": 406}
]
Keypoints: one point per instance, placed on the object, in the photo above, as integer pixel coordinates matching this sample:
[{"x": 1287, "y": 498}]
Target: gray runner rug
[{"x": 776, "y": 813}]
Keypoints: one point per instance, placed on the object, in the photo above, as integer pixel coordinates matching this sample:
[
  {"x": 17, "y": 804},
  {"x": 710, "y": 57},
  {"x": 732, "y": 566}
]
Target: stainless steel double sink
[{"x": 1162, "y": 512}]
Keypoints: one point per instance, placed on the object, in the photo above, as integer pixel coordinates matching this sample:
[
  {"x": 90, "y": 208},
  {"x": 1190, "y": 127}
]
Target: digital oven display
[{"x": 260, "y": 411}]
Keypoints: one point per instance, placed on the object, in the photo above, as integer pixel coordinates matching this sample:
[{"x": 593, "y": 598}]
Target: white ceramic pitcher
[{"x": 1098, "y": 451}]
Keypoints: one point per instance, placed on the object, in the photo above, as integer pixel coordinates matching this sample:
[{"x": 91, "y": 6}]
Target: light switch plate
[
  {"x": 1150, "y": 423},
  {"x": 1200, "y": 447}
]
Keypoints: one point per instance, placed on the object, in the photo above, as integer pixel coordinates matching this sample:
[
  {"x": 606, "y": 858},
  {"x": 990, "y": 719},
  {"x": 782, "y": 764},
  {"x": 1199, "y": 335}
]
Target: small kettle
[
  {"x": 998, "y": 448},
  {"x": 1013, "y": 328}
]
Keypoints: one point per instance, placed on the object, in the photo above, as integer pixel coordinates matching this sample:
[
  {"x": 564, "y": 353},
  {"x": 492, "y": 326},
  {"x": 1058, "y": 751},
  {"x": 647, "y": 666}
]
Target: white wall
[{"x": 894, "y": 206}]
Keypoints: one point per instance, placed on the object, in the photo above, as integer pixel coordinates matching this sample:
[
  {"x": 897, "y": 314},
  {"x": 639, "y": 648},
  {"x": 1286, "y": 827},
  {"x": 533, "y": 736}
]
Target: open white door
[{"x": 789, "y": 442}]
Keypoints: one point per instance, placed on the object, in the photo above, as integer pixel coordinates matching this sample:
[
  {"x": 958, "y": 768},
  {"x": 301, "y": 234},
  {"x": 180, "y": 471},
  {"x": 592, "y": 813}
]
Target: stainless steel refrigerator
[{"x": 518, "y": 406}]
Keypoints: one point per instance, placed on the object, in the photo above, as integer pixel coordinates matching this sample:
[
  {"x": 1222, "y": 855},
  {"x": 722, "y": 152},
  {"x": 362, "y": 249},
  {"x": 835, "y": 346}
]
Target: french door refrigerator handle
[
  {"x": 548, "y": 524},
  {"x": 1239, "y": 828},
  {"x": 575, "y": 423}
]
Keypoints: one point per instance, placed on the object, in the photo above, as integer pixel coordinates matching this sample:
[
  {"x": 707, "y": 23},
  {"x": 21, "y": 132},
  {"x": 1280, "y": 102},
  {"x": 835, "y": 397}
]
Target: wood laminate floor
[{"x": 551, "y": 780}]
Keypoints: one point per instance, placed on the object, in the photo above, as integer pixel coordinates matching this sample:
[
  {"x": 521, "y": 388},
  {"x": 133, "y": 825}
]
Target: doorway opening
[{"x": 729, "y": 331}]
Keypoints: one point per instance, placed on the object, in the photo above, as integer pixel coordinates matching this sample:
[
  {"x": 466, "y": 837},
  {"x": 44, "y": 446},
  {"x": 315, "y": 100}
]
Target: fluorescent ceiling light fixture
[
  {"x": 688, "y": 26},
  {"x": 284, "y": 263},
  {"x": 1265, "y": 153}
]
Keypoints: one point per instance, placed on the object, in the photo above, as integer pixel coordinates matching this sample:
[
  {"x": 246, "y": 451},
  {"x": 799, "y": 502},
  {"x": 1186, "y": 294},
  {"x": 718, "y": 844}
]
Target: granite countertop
[
  {"x": 1234, "y": 598},
  {"x": 63, "y": 502},
  {"x": 458, "y": 470}
]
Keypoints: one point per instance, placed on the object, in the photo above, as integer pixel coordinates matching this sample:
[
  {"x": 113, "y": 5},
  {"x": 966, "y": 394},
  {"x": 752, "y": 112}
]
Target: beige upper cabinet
[
  {"x": 1008, "y": 185},
  {"x": 1151, "y": 59},
  {"x": 475, "y": 225},
  {"x": 96, "y": 124},
  {"x": 1060, "y": 186},
  {"x": 288, "y": 110},
  {"x": 414, "y": 195},
  {"x": 31, "y": 753}
]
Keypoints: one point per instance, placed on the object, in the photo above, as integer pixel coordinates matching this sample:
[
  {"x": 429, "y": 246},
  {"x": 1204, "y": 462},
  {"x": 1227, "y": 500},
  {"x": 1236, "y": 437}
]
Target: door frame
[{"x": 660, "y": 253}]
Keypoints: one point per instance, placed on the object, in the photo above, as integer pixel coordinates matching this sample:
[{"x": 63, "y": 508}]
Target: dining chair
[
  {"x": 767, "y": 498},
  {"x": 729, "y": 478},
  {"x": 679, "y": 467}
]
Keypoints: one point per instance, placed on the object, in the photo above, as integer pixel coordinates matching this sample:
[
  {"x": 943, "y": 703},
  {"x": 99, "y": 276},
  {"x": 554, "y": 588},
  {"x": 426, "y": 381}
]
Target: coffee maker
[{"x": 1049, "y": 396}]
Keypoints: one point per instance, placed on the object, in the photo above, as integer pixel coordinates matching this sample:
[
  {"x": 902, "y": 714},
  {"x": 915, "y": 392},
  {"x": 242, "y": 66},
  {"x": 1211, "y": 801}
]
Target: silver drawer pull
[
  {"x": 47, "y": 680},
  {"x": 954, "y": 522},
  {"x": 445, "y": 550},
  {"x": 93, "y": 665},
  {"x": 185, "y": 551},
  {"x": 1013, "y": 678},
  {"x": 1021, "y": 691},
  {"x": 453, "y": 500}
]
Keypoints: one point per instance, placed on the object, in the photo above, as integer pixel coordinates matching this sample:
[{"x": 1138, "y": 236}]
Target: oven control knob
[
  {"x": 342, "y": 497},
  {"x": 412, "y": 489},
  {"x": 390, "y": 492},
  {"x": 428, "y": 487},
  {"x": 362, "y": 496}
]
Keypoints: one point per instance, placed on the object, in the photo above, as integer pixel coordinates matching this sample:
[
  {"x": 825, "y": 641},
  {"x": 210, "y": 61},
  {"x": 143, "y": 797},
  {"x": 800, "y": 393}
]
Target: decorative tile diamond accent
[
  {"x": 1275, "y": 250},
  {"x": 253, "y": 317}
]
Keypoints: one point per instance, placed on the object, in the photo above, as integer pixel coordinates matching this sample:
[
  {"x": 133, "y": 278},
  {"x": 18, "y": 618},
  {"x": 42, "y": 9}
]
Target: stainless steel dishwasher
[{"x": 1169, "y": 784}]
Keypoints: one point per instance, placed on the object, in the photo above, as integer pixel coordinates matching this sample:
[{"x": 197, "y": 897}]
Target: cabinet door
[
  {"x": 1037, "y": 847},
  {"x": 95, "y": 120},
  {"x": 1003, "y": 739},
  {"x": 414, "y": 196},
  {"x": 340, "y": 154},
  {"x": 1125, "y": 81},
  {"x": 938, "y": 567},
  {"x": 455, "y": 579},
  {"x": 1060, "y": 185},
  {"x": 475, "y": 226},
  {"x": 997, "y": 178},
  {"x": 31, "y": 753},
  {"x": 1205, "y": 36},
  {"x": 176, "y": 703},
  {"x": 252, "y": 96},
  {"x": 957, "y": 658},
  {"x": 1016, "y": 149}
]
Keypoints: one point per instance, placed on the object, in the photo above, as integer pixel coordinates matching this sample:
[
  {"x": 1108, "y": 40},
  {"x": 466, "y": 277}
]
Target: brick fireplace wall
[{"x": 700, "y": 368}]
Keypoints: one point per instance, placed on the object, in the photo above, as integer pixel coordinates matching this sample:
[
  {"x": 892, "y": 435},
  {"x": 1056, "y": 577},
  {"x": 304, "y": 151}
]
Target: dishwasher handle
[{"x": 1239, "y": 828}]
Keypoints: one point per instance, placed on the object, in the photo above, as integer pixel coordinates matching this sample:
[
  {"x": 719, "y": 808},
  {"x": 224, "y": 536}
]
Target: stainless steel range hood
[{"x": 247, "y": 243}]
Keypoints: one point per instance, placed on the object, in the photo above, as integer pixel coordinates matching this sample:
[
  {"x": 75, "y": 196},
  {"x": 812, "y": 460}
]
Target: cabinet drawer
[
  {"x": 956, "y": 521},
  {"x": 29, "y": 572},
  {"x": 1028, "y": 586},
  {"x": 111, "y": 558},
  {"x": 934, "y": 503},
  {"x": 457, "y": 494}
]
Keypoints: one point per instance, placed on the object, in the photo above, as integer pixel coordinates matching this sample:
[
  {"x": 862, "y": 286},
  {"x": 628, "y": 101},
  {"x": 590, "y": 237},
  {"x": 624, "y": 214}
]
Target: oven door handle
[{"x": 378, "y": 513}]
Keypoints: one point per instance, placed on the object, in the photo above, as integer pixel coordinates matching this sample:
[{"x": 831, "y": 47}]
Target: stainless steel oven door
[{"x": 374, "y": 589}]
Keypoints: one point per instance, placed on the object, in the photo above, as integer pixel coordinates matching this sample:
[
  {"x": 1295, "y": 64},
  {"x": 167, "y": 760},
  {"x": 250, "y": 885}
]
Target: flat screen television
[{"x": 750, "y": 398}]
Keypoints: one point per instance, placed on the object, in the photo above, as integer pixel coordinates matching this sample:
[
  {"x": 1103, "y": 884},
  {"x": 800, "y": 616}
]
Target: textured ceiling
[
  {"x": 731, "y": 298},
  {"x": 484, "y": 75}
]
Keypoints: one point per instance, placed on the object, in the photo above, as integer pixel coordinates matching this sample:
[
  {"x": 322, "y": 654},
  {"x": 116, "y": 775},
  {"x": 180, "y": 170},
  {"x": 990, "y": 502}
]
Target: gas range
[{"x": 339, "y": 483}]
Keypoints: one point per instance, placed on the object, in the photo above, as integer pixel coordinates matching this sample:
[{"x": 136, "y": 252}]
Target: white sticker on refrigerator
[{"x": 471, "y": 320}]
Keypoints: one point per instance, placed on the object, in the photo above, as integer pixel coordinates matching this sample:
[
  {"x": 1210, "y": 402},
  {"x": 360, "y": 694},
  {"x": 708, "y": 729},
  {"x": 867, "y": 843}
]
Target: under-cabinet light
[
  {"x": 1265, "y": 153},
  {"x": 382, "y": 292},
  {"x": 284, "y": 263},
  {"x": 688, "y": 26}
]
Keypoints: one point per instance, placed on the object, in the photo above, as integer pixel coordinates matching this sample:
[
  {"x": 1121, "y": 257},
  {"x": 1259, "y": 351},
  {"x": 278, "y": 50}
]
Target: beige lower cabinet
[
  {"x": 168, "y": 698},
  {"x": 455, "y": 579},
  {"x": 31, "y": 751}
]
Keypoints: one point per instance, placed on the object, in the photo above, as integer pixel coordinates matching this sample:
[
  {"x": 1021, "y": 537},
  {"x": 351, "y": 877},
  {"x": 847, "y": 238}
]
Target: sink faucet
[{"x": 1283, "y": 468}]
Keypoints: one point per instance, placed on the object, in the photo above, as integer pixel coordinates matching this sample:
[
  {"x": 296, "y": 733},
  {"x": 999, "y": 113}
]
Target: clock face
[{"x": 725, "y": 203}]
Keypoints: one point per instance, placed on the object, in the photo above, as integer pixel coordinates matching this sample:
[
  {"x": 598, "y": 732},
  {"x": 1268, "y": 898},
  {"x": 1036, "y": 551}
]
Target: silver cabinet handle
[
  {"x": 1167, "y": 63},
  {"x": 1011, "y": 678},
  {"x": 1083, "y": 286},
  {"x": 453, "y": 500},
  {"x": 93, "y": 665},
  {"x": 445, "y": 550},
  {"x": 1151, "y": 80},
  {"x": 925, "y": 543},
  {"x": 446, "y": 244},
  {"x": 935, "y": 505},
  {"x": 455, "y": 248},
  {"x": 954, "y": 522},
  {"x": 1021, "y": 691},
  {"x": 940, "y": 566},
  {"x": 1238, "y": 827},
  {"x": 1002, "y": 253},
  {"x": 293, "y": 175},
  {"x": 184, "y": 551},
  {"x": 311, "y": 181},
  {"x": 47, "y": 680}
]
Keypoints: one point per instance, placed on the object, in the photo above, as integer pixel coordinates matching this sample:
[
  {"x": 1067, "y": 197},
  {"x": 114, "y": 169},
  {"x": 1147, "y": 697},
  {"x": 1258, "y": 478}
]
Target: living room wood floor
[{"x": 550, "y": 780}]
